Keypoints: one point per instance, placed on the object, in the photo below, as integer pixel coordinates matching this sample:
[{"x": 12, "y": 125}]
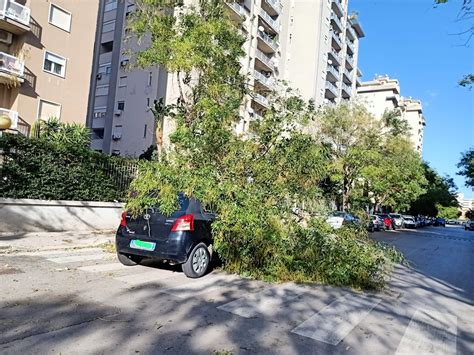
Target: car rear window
[{"x": 395, "y": 215}]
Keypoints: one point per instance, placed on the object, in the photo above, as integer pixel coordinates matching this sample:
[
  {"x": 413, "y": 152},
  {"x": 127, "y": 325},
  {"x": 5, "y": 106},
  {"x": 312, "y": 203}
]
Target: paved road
[{"x": 83, "y": 301}]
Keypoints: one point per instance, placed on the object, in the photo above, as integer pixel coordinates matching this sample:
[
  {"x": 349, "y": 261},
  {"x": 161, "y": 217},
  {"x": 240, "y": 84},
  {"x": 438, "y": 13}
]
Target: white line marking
[
  {"x": 103, "y": 267},
  {"x": 202, "y": 285},
  {"x": 335, "y": 321},
  {"x": 265, "y": 302},
  {"x": 429, "y": 332},
  {"x": 141, "y": 277},
  {"x": 76, "y": 258}
]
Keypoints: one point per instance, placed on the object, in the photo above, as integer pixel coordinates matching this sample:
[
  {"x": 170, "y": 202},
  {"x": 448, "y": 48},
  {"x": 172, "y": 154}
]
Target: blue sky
[{"x": 414, "y": 42}]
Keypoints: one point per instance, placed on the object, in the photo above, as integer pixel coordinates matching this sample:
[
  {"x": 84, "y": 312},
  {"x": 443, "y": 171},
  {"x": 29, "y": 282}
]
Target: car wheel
[
  {"x": 198, "y": 262},
  {"x": 128, "y": 260}
]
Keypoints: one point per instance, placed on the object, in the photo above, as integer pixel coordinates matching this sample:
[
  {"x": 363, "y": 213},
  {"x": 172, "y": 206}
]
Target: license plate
[{"x": 140, "y": 244}]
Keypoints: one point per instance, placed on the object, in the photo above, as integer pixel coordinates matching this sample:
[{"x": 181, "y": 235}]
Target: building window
[
  {"x": 123, "y": 81},
  {"x": 100, "y": 112},
  {"x": 144, "y": 131},
  {"x": 117, "y": 132},
  {"x": 102, "y": 90},
  {"x": 54, "y": 64},
  {"x": 47, "y": 110},
  {"x": 121, "y": 105},
  {"x": 147, "y": 102},
  {"x": 59, "y": 17},
  {"x": 110, "y": 5}
]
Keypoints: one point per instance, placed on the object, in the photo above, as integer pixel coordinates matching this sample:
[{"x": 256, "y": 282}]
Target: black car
[{"x": 183, "y": 238}]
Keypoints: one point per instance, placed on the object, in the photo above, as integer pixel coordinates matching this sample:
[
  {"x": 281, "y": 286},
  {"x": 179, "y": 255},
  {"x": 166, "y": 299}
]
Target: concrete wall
[{"x": 44, "y": 216}]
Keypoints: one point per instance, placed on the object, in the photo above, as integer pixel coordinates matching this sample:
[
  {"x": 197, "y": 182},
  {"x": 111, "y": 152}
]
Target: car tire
[
  {"x": 128, "y": 260},
  {"x": 198, "y": 262}
]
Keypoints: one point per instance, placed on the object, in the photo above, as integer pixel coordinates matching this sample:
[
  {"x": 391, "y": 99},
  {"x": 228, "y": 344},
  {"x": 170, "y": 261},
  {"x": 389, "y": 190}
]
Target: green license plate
[{"x": 140, "y": 244}]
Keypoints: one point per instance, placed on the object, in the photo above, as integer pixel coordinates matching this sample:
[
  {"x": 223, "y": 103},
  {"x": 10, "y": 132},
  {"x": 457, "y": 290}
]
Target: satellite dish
[
  {"x": 261, "y": 28},
  {"x": 251, "y": 111},
  {"x": 329, "y": 61}
]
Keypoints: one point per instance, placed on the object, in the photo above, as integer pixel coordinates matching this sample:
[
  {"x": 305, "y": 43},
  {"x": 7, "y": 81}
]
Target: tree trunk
[{"x": 345, "y": 193}]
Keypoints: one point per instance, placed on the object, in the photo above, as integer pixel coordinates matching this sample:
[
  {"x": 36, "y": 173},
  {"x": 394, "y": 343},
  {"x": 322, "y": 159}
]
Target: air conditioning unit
[
  {"x": 118, "y": 112},
  {"x": 5, "y": 37},
  {"x": 124, "y": 62},
  {"x": 116, "y": 136}
]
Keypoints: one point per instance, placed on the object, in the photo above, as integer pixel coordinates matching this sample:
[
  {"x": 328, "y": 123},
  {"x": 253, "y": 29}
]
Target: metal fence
[{"x": 122, "y": 172}]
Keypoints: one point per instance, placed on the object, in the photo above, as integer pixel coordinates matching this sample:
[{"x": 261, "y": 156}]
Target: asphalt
[{"x": 77, "y": 301}]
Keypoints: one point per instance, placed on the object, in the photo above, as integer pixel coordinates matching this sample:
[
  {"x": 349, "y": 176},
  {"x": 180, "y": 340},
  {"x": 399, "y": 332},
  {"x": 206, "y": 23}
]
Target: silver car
[{"x": 397, "y": 220}]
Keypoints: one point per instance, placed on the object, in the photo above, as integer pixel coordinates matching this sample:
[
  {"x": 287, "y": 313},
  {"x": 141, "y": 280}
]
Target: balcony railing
[
  {"x": 268, "y": 82},
  {"x": 13, "y": 115},
  {"x": 15, "y": 11},
  {"x": 337, "y": 40},
  {"x": 337, "y": 6},
  {"x": 238, "y": 9},
  {"x": 276, "y": 5},
  {"x": 350, "y": 45},
  {"x": 351, "y": 32},
  {"x": 331, "y": 87},
  {"x": 269, "y": 40},
  {"x": 348, "y": 75},
  {"x": 333, "y": 71},
  {"x": 262, "y": 100},
  {"x": 336, "y": 56},
  {"x": 275, "y": 24},
  {"x": 337, "y": 22},
  {"x": 350, "y": 60},
  {"x": 347, "y": 89},
  {"x": 265, "y": 59},
  {"x": 11, "y": 65}
]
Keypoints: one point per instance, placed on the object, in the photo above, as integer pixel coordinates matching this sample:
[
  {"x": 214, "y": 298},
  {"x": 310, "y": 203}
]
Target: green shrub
[{"x": 39, "y": 168}]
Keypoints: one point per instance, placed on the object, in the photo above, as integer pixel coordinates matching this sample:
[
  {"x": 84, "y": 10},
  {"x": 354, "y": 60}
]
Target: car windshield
[
  {"x": 395, "y": 215},
  {"x": 408, "y": 218},
  {"x": 383, "y": 215}
]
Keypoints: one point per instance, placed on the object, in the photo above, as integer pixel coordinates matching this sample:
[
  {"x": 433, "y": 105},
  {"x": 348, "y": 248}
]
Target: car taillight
[
  {"x": 123, "y": 221},
  {"x": 184, "y": 223}
]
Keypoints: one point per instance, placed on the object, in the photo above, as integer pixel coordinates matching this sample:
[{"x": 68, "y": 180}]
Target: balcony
[
  {"x": 336, "y": 23},
  {"x": 351, "y": 33},
  {"x": 350, "y": 47},
  {"x": 265, "y": 61},
  {"x": 331, "y": 90},
  {"x": 263, "y": 80},
  {"x": 337, "y": 8},
  {"x": 237, "y": 11},
  {"x": 98, "y": 122},
  {"x": 336, "y": 41},
  {"x": 12, "y": 115},
  {"x": 349, "y": 62},
  {"x": 335, "y": 56},
  {"x": 266, "y": 43},
  {"x": 333, "y": 74},
  {"x": 11, "y": 69},
  {"x": 97, "y": 144},
  {"x": 348, "y": 76},
  {"x": 273, "y": 7},
  {"x": 14, "y": 17},
  {"x": 346, "y": 90},
  {"x": 272, "y": 25},
  {"x": 261, "y": 100}
]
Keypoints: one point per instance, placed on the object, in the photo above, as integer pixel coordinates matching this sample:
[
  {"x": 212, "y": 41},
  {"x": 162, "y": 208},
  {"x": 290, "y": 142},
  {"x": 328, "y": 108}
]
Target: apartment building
[
  {"x": 465, "y": 204},
  {"x": 313, "y": 45},
  {"x": 383, "y": 94},
  {"x": 321, "y": 49},
  {"x": 46, "y": 50}
]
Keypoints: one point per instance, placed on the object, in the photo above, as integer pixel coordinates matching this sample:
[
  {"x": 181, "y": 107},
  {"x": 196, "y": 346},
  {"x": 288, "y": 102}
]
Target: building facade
[
  {"x": 313, "y": 45},
  {"x": 383, "y": 94},
  {"x": 46, "y": 50}
]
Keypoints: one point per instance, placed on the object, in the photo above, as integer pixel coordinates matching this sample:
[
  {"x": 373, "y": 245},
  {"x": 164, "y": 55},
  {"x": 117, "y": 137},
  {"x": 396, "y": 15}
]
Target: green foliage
[
  {"x": 439, "y": 191},
  {"x": 41, "y": 168},
  {"x": 254, "y": 181},
  {"x": 467, "y": 167},
  {"x": 448, "y": 212}
]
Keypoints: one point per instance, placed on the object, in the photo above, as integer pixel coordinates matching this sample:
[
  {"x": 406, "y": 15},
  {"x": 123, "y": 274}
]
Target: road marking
[
  {"x": 103, "y": 267},
  {"x": 202, "y": 285},
  {"x": 429, "y": 332},
  {"x": 339, "y": 318},
  {"x": 140, "y": 278},
  {"x": 77, "y": 258},
  {"x": 265, "y": 302}
]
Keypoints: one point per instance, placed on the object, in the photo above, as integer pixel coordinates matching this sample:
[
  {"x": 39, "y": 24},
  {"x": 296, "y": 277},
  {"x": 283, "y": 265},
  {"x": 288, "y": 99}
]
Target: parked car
[
  {"x": 397, "y": 220},
  {"x": 183, "y": 238},
  {"x": 409, "y": 222},
  {"x": 386, "y": 220},
  {"x": 440, "y": 222},
  {"x": 377, "y": 222},
  {"x": 337, "y": 219},
  {"x": 469, "y": 225}
]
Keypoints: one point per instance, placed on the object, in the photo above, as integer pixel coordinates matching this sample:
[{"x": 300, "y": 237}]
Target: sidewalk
[{"x": 12, "y": 242}]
